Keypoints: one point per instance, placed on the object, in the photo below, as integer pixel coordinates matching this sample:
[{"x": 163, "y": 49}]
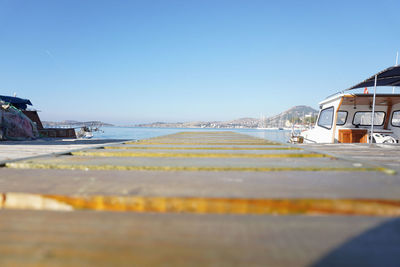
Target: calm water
[{"x": 144, "y": 133}]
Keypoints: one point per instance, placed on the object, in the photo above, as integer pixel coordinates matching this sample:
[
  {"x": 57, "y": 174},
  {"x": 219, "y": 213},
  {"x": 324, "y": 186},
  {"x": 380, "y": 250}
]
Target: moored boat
[{"x": 364, "y": 117}]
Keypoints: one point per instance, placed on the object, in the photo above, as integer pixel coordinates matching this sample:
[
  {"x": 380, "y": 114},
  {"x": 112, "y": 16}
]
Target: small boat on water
[
  {"x": 365, "y": 117},
  {"x": 85, "y": 133}
]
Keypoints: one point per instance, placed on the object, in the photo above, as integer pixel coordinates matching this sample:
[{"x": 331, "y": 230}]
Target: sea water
[{"x": 138, "y": 133}]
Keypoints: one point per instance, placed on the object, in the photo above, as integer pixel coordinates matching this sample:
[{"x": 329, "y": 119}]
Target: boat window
[
  {"x": 326, "y": 118},
  {"x": 363, "y": 118},
  {"x": 341, "y": 117},
  {"x": 396, "y": 118}
]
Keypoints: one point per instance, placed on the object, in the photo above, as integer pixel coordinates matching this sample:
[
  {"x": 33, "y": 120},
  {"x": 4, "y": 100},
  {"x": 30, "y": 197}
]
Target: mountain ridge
[
  {"x": 73, "y": 123},
  {"x": 297, "y": 114}
]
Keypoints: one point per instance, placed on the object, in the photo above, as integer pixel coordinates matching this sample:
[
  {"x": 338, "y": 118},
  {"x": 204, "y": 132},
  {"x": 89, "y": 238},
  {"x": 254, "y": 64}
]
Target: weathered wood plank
[
  {"x": 374, "y": 185},
  {"x": 30, "y": 238}
]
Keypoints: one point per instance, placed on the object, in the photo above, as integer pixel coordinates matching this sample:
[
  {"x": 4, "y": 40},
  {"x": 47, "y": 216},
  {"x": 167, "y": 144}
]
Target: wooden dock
[{"x": 199, "y": 198}]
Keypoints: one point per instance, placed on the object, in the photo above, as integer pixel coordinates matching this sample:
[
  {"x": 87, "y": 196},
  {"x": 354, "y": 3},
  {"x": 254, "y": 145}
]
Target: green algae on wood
[
  {"x": 201, "y": 143},
  {"x": 32, "y": 165},
  {"x": 201, "y": 148},
  {"x": 193, "y": 155}
]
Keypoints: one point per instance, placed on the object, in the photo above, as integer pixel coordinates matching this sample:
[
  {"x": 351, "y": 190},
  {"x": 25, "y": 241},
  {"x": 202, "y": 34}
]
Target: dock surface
[
  {"x": 201, "y": 198},
  {"x": 14, "y": 150}
]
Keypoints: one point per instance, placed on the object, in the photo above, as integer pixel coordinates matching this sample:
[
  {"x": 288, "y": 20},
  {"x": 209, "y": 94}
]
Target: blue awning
[
  {"x": 17, "y": 102},
  {"x": 387, "y": 77}
]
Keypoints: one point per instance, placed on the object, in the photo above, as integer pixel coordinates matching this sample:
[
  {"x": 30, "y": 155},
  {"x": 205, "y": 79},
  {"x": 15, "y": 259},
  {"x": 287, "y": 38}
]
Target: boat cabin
[
  {"x": 360, "y": 117},
  {"x": 347, "y": 118}
]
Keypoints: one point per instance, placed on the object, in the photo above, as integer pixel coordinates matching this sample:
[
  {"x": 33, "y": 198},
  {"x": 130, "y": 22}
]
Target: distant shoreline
[
  {"x": 297, "y": 115},
  {"x": 74, "y": 124}
]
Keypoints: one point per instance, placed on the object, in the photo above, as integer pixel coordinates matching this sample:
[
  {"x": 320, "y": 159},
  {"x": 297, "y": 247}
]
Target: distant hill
[
  {"x": 297, "y": 114},
  {"x": 71, "y": 123},
  {"x": 294, "y": 114}
]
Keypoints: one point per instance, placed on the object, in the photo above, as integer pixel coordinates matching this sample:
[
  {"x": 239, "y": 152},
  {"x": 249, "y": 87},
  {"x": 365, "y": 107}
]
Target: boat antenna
[
  {"x": 373, "y": 111},
  {"x": 397, "y": 60}
]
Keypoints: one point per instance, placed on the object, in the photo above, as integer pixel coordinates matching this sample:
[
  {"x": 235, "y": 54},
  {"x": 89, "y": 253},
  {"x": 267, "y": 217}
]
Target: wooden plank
[
  {"x": 189, "y": 164},
  {"x": 10, "y": 150},
  {"x": 365, "y": 185},
  {"x": 30, "y": 238}
]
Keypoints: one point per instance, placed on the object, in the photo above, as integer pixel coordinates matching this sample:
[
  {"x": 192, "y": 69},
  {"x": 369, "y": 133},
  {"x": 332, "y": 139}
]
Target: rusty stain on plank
[{"x": 366, "y": 207}]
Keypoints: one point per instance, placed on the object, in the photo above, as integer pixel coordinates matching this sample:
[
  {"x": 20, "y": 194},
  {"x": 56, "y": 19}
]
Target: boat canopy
[
  {"x": 17, "y": 102},
  {"x": 387, "y": 77}
]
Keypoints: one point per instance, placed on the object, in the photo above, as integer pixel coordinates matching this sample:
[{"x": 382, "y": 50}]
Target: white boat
[
  {"x": 85, "y": 133},
  {"x": 359, "y": 117}
]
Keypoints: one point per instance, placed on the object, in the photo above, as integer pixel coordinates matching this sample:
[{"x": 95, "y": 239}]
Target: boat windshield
[
  {"x": 396, "y": 118},
  {"x": 326, "y": 118},
  {"x": 363, "y": 118},
  {"x": 341, "y": 117}
]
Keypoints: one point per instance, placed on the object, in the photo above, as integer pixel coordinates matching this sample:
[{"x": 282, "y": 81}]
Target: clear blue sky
[{"x": 163, "y": 60}]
